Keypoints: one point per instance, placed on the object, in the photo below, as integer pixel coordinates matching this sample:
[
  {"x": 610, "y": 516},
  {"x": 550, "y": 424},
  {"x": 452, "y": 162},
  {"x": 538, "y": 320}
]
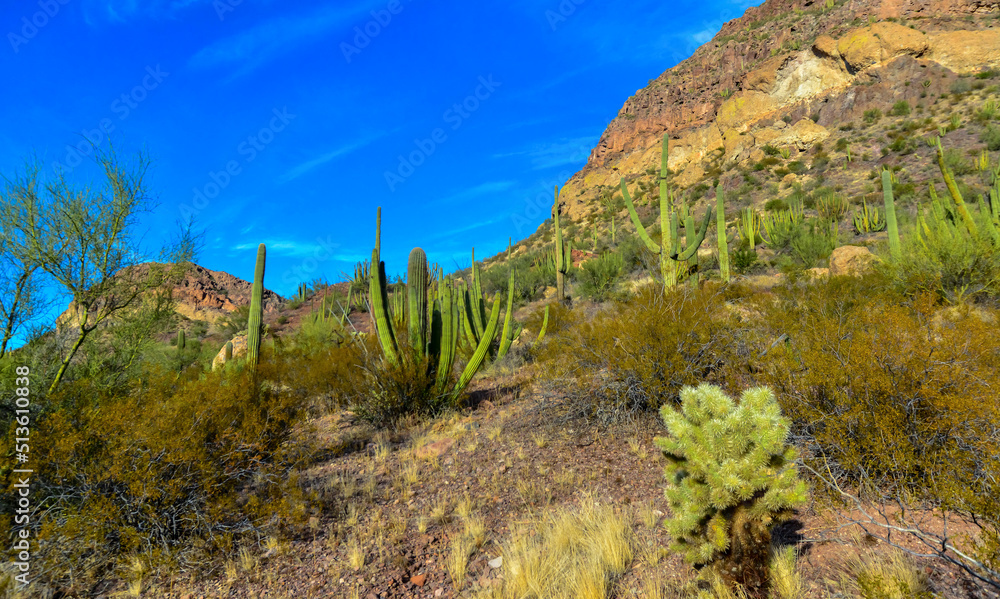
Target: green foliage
[
  {"x": 872, "y": 116},
  {"x": 744, "y": 259},
  {"x": 813, "y": 243},
  {"x": 599, "y": 277},
  {"x": 901, "y": 108},
  {"x": 731, "y": 477},
  {"x": 869, "y": 220},
  {"x": 991, "y": 137}
]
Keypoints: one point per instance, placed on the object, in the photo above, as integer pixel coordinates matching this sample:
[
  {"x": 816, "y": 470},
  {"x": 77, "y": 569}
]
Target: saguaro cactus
[
  {"x": 731, "y": 477},
  {"x": 181, "y": 340},
  {"x": 255, "y": 324},
  {"x": 563, "y": 255},
  {"x": 720, "y": 224},
  {"x": 229, "y": 352},
  {"x": 667, "y": 249}
]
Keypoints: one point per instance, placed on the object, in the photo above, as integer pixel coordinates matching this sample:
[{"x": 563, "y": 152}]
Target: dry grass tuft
[
  {"x": 572, "y": 555},
  {"x": 786, "y": 582},
  {"x": 885, "y": 574}
]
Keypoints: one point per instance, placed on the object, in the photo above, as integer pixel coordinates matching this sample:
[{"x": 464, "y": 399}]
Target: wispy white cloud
[
  {"x": 471, "y": 227},
  {"x": 480, "y": 190},
  {"x": 552, "y": 154},
  {"x": 305, "y": 167},
  {"x": 295, "y": 248},
  {"x": 123, "y": 11},
  {"x": 255, "y": 46}
]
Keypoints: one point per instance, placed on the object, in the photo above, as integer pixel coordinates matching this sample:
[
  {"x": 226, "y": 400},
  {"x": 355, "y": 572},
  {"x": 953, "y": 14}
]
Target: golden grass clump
[{"x": 576, "y": 554}]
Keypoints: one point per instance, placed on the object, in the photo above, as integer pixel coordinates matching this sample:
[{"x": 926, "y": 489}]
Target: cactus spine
[
  {"x": 895, "y": 249},
  {"x": 563, "y": 255},
  {"x": 255, "y": 324},
  {"x": 720, "y": 223}
]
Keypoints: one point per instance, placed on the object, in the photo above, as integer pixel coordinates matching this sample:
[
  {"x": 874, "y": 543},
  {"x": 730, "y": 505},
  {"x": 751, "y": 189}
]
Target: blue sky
[{"x": 288, "y": 123}]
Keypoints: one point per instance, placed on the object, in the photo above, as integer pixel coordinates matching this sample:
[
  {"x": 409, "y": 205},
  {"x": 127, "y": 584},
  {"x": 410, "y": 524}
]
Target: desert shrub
[
  {"x": 171, "y": 471},
  {"x": 901, "y": 108},
  {"x": 392, "y": 391},
  {"x": 949, "y": 267},
  {"x": 599, "y": 277},
  {"x": 744, "y": 259},
  {"x": 731, "y": 477},
  {"x": 635, "y": 255},
  {"x": 234, "y": 322},
  {"x": 991, "y": 137},
  {"x": 640, "y": 353},
  {"x": 812, "y": 244},
  {"x": 775, "y": 205},
  {"x": 872, "y": 116},
  {"x": 961, "y": 86},
  {"x": 895, "y": 396}
]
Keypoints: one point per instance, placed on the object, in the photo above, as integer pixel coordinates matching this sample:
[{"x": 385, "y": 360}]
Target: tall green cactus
[
  {"x": 563, "y": 256},
  {"x": 416, "y": 292},
  {"x": 667, "y": 249},
  {"x": 229, "y": 352},
  {"x": 545, "y": 325},
  {"x": 956, "y": 195},
  {"x": 895, "y": 249},
  {"x": 668, "y": 268},
  {"x": 720, "y": 224},
  {"x": 378, "y": 296},
  {"x": 507, "y": 336},
  {"x": 181, "y": 340},
  {"x": 255, "y": 324}
]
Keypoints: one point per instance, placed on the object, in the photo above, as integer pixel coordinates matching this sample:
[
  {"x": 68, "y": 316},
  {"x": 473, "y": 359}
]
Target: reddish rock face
[{"x": 748, "y": 57}]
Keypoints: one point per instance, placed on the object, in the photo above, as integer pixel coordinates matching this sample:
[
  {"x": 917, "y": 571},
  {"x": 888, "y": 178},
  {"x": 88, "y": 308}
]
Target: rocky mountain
[
  {"x": 789, "y": 74},
  {"x": 205, "y": 295}
]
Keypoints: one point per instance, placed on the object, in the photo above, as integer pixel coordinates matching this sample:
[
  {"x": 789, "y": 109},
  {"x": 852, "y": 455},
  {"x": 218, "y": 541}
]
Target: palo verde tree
[
  {"x": 87, "y": 241},
  {"x": 20, "y": 299}
]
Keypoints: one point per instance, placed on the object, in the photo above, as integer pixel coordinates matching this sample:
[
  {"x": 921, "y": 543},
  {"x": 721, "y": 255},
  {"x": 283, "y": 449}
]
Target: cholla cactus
[{"x": 731, "y": 477}]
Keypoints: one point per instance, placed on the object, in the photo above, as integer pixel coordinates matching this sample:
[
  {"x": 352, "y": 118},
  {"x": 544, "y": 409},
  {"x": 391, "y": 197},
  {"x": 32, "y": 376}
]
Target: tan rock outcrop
[
  {"x": 868, "y": 46},
  {"x": 966, "y": 51}
]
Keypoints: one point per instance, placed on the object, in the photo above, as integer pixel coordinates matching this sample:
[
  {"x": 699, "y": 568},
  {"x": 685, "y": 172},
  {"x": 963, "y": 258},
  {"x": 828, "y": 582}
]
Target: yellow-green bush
[
  {"x": 171, "y": 470},
  {"x": 639, "y": 354}
]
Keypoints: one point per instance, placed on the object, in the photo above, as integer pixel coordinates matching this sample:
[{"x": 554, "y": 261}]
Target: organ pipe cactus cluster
[
  {"x": 667, "y": 249},
  {"x": 869, "y": 220},
  {"x": 749, "y": 227},
  {"x": 255, "y": 323},
  {"x": 434, "y": 319}
]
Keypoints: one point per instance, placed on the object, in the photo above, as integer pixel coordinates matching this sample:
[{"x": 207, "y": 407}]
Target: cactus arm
[
  {"x": 561, "y": 254},
  {"x": 895, "y": 250},
  {"x": 643, "y": 235},
  {"x": 255, "y": 321},
  {"x": 545, "y": 325},
  {"x": 720, "y": 223},
  {"x": 507, "y": 337},
  {"x": 956, "y": 195},
  {"x": 480, "y": 354},
  {"x": 446, "y": 338},
  {"x": 699, "y": 237},
  {"x": 378, "y": 296}
]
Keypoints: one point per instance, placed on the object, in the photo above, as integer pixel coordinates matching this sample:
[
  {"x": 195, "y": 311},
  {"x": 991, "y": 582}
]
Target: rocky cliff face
[
  {"x": 204, "y": 294},
  {"x": 783, "y": 75}
]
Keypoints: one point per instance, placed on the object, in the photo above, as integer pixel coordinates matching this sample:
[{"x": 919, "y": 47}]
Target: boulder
[
  {"x": 850, "y": 260},
  {"x": 868, "y": 46},
  {"x": 239, "y": 351}
]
